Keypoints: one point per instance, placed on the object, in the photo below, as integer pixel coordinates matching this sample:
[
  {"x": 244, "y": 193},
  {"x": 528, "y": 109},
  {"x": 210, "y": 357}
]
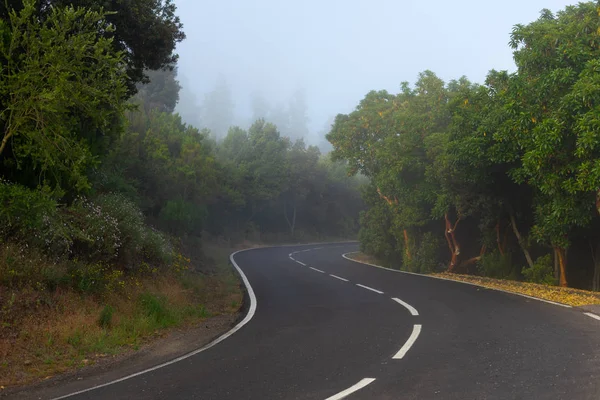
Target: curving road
[{"x": 326, "y": 327}]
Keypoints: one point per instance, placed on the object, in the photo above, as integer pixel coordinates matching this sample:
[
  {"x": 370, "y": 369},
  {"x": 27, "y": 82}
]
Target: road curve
[{"x": 329, "y": 328}]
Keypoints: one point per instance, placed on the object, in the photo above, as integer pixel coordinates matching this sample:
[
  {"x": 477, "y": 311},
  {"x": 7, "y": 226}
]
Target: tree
[
  {"x": 217, "y": 109},
  {"x": 260, "y": 107},
  {"x": 302, "y": 165},
  {"x": 55, "y": 121},
  {"x": 298, "y": 114},
  {"x": 161, "y": 92},
  {"x": 145, "y": 31},
  {"x": 552, "y": 103}
]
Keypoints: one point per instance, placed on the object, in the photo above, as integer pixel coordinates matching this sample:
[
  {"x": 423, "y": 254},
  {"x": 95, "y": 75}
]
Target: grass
[
  {"x": 572, "y": 297},
  {"x": 44, "y": 333}
]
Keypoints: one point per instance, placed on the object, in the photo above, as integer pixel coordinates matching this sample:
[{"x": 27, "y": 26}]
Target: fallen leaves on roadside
[{"x": 572, "y": 297}]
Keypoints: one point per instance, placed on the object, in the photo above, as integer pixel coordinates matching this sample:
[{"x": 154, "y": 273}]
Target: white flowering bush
[
  {"x": 139, "y": 242},
  {"x": 94, "y": 232}
]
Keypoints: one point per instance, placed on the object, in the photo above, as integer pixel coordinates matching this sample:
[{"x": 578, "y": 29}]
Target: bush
[
  {"x": 94, "y": 233},
  {"x": 541, "y": 272},
  {"x": 496, "y": 265},
  {"x": 427, "y": 253},
  {"x": 105, "y": 318},
  {"x": 180, "y": 217},
  {"x": 156, "y": 308},
  {"x": 23, "y": 211},
  {"x": 31, "y": 217}
]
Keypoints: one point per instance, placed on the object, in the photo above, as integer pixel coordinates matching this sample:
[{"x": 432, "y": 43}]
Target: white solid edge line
[
  {"x": 411, "y": 309},
  {"x": 345, "y": 255},
  {"x": 369, "y": 288},
  {"x": 411, "y": 340},
  {"x": 233, "y": 330},
  {"x": 589, "y": 314},
  {"x": 339, "y": 277},
  {"x": 300, "y": 262},
  {"x": 318, "y": 270},
  {"x": 361, "y": 384}
]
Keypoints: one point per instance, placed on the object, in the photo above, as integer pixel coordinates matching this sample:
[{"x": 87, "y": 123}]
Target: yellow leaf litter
[{"x": 572, "y": 297}]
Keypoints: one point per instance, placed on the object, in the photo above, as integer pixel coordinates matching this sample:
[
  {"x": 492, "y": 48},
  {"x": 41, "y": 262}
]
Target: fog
[{"x": 300, "y": 63}]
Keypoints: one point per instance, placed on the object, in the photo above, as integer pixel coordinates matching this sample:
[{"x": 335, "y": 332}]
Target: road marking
[
  {"x": 589, "y": 314},
  {"x": 300, "y": 262},
  {"x": 361, "y": 384},
  {"x": 247, "y": 318},
  {"x": 339, "y": 277},
  {"x": 318, "y": 270},
  {"x": 413, "y": 311},
  {"x": 369, "y": 288},
  {"x": 411, "y": 340},
  {"x": 345, "y": 255}
]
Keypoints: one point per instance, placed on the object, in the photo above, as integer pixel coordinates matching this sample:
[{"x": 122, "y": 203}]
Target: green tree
[
  {"x": 55, "y": 121},
  {"x": 552, "y": 130}
]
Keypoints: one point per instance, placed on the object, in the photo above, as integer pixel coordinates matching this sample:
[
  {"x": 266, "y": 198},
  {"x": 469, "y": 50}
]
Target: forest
[
  {"x": 500, "y": 179},
  {"x": 97, "y": 168},
  {"x": 116, "y": 217}
]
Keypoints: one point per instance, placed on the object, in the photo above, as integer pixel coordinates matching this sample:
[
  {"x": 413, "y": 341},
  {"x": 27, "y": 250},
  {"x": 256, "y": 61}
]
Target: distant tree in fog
[
  {"x": 217, "y": 111},
  {"x": 298, "y": 116},
  {"x": 188, "y": 106},
  {"x": 260, "y": 107}
]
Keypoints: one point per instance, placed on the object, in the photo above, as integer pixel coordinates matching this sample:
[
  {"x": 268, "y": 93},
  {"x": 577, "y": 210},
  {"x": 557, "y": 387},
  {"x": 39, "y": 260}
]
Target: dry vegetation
[
  {"x": 45, "y": 333},
  {"x": 573, "y": 297}
]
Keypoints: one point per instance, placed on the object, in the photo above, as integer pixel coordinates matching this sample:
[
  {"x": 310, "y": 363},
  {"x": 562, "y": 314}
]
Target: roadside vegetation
[
  {"x": 499, "y": 179},
  {"x": 563, "y": 295},
  {"x": 116, "y": 218}
]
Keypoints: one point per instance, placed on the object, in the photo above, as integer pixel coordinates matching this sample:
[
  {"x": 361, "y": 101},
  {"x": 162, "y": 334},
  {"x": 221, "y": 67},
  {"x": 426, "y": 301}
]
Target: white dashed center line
[
  {"x": 589, "y": 314},
  {"x": 361, "y": 384},
  {"x": 318, "y": 270},
  {"x": 411, "y": 340},
  {"x": 411, "y": 309},
  {"x": 338, "y": 277},
  {"x": 369, "y": 288}
]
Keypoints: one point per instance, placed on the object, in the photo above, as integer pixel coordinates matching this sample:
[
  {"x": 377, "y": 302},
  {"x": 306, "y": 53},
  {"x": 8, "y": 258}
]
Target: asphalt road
[{"x": 318, "y": 336}]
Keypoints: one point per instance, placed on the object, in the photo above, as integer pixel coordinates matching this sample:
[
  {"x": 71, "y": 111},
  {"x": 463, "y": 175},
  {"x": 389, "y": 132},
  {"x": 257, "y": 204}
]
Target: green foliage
[
  {"x": 541, "y": 272},
  {"x": 426, "y": 257},
  {"x": 105, "y": 318},
  {"x": 517, "y": 154},
  {"x": 56, "y": 125},
  {"x": 156, "y": 308},
  {"x": 179, "y": 217},
  {"x": 496, "y": 265}
]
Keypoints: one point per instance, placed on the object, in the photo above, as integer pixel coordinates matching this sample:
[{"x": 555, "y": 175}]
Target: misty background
[{"x": 298, "y": 64}]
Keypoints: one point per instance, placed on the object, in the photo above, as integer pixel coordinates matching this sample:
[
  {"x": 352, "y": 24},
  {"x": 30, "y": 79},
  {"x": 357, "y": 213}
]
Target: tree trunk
[
  {"x": 562, "y": 262},
  {"x": 596, "y": 260},
  {"x": 500, "y": 246},
  {"x": 556, "y": 267},
  {"x": 513, "y": 223},
  {"x": 406, "y": 246},
  {"x": 452, "y": 243},
  {"x": 292, "y": 223},
  {"x": 4, "y": 142},
  {"x": 474, "y": 259}
]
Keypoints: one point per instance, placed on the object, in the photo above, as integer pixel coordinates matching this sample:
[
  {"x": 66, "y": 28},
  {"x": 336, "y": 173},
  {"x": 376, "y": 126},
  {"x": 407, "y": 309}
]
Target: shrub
[
  {"x": 426, "y": 256},
  {"x": 105, "y": 318},
  {"x": 541, "y": 272},
  {"x": 130, "y": 223},
  {"x": 180, "y": 217},
  {"x": 496, "y": 265},
  {"x": 94, "y": 233},
  {"x": 156, "y": 308}
]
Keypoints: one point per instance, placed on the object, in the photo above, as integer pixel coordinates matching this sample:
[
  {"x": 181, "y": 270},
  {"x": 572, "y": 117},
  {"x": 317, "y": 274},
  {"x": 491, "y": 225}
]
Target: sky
[{"x": 336, "y": 51}]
